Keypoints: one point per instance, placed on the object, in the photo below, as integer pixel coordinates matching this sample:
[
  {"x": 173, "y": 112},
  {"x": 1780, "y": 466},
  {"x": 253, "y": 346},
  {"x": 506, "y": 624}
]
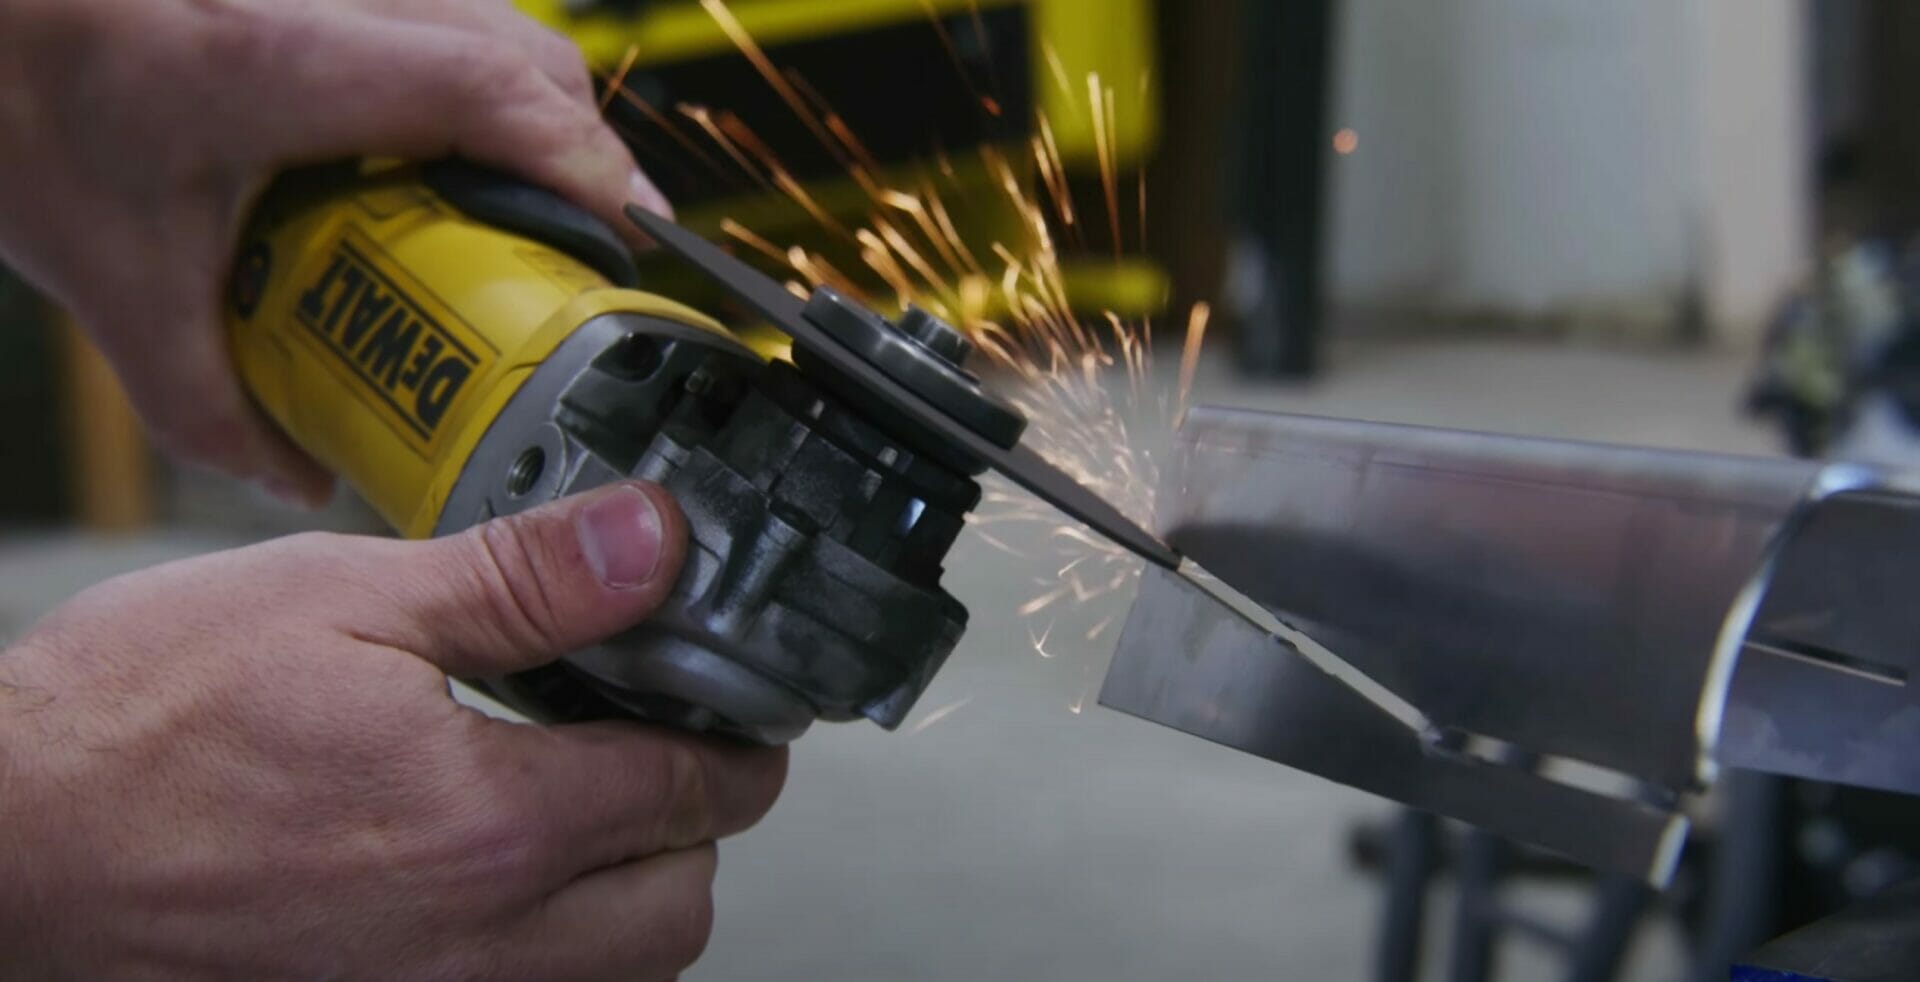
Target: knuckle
[
  {"x": 564, "y": 55},
  {"x": 498, "y": 831},
  {"x": 497, "y": 75},
  {"x": 684, "y": 938},
  {"x": 772, "y": 780},
  {"x": 561, "y": 123},
  {"x": 217, "y": 441},
  {"x": 507, "y": 558},
  {"x": 243, "y": 38},
  {"x": 688, "y": 815},
  {"x": 567, "y": 120}
]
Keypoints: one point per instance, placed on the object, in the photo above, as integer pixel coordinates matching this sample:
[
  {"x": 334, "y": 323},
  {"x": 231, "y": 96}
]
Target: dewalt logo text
[{"x": 413, "y": 364}]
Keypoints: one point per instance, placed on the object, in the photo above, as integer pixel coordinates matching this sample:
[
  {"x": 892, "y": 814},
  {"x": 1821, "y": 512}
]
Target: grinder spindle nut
[{"x": 922, "y": 353}]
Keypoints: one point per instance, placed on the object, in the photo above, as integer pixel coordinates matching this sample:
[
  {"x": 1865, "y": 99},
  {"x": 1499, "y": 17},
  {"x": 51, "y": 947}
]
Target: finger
[
  {"x": 186, "y": 389},
  {"x": 437, "y": 93},
  {"x": 290, "y": 474},
  {"x": 517, "y": 592},
  {"x": 645, "y": 920},
  {"x": 620, "y": 791},
  {"x": 556, "y": 55}
]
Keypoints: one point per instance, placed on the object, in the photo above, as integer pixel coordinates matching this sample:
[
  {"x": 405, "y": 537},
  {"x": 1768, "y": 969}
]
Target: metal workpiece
[
  {"x": 1824, "y": 688},
  {"x": 811, "y": 585},
  {"x": 1564, "y": 596},
  {"x": 1584, "y": 632}
]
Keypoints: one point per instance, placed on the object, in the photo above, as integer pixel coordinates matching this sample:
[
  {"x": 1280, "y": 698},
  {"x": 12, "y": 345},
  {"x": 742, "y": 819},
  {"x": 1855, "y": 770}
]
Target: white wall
[{"x": 1554, "y": 158}]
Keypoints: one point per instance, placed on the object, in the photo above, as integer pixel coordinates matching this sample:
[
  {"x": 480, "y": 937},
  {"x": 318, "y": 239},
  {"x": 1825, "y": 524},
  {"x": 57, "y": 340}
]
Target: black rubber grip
[{"x": 534, "y": 212}]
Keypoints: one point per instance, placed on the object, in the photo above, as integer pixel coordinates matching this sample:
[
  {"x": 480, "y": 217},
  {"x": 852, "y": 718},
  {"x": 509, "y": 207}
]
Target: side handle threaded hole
[{"x": 526, "y": 471}]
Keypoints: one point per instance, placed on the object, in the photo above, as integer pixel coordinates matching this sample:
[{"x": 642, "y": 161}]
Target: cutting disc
[{"x": 1019, "y": 463}]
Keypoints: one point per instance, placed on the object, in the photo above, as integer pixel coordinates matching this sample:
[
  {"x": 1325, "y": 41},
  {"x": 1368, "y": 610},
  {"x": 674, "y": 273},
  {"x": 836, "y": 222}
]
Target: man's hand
[
  {"x": 248, "y": 765},
  {"x": 137, "y": 134}
]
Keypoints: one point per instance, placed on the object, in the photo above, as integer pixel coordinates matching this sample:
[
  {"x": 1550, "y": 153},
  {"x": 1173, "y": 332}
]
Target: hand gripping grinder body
[{"x": 459, "y": 346}]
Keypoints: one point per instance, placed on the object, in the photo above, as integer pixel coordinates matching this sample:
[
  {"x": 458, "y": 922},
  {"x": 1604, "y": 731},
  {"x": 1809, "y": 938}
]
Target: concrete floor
[{"x": 1015, "y": 838}]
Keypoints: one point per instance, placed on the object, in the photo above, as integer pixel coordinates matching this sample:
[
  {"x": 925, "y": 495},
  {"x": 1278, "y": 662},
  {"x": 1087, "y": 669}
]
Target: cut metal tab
[{"x": 1188, "y": 662}]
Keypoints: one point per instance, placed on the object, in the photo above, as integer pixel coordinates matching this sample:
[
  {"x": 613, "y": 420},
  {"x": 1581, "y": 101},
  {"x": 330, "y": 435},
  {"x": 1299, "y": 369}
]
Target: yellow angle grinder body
[{"x": 458, "y": 346}]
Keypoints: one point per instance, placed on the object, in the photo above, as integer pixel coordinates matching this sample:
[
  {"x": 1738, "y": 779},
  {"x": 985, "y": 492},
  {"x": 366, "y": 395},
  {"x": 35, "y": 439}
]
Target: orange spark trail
[
  {"x": 1009, "y": 294},
  {"x": 939, "y": 714},
  {"x": 1059, "y": 71},
  {"x": 1052, "y": 170},
  {"x": 679, "y": 136},
  {"x": 835, "y": 124},
  {"x": 1190, "y": 353},
  {"x": 717, "y": 9},
  {"x": 617, "y": 82},
  {"x": 949, "y": 232},
  {"x": 988, "y": 103},
  {"x": 1146, "y": 89},
  {"x": 704, "y": 119},
  {"x": 1101, "y": 101},
  {"x": 758, "y": 244},
  {"x": 739, "y": 134},
  {"x": 993, "y": 74}
]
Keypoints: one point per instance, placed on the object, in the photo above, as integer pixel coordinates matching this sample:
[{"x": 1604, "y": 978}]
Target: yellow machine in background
[{"x": 910, "y": 77}]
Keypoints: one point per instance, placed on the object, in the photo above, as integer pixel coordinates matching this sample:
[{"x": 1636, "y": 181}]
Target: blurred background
[{"x": 1680, "y": 223}]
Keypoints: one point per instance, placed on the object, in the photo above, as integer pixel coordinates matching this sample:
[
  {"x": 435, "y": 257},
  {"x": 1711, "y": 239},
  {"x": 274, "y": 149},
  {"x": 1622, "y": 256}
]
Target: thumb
[{"x": 519, "y": 591}]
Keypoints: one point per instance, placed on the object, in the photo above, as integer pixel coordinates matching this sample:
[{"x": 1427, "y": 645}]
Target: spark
[
  {"x": 798, "y": 192},
  {"x": 738, "y": 231},
  {"x": 986, "y": 102},
  {"x": 1190, "y": 354},
  {"x": 1100, "y": 99},
  {"x": 1086, "y": 688},
  {"x": 950, "y": 233},
  {"x": 992, "y": 105},
  {"x": 1093, "y": 634},
  {"x": 617, "y": 82},
  {"x": 1046, "y": 154},
  {"x": 1040, "y": 643},
  {"x": 989, "y": 539},
  {"x": 717, "y": 9},
  {"x": 834, "y": 123},
  {"x": 1059, "y": 71},
  {"x": 914, "y": 207},
  {"x": 905, "y": 250},
  {"x": 1043, "y": 601},
  {"x": 939, "y": 714},
  {"x": 658, "y": 118},
  {"x": 1146, "y": 89},
  {"x": 703, "y": 118}
]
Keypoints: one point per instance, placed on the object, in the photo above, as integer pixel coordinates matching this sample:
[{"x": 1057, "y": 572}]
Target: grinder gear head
[{"x": 817, "y": 525}]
